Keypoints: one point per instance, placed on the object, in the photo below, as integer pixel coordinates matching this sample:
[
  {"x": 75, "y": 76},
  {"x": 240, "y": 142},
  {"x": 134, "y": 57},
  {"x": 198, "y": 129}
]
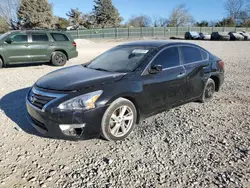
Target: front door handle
[
  {"x": 51, "y": 44},
  {"x": 181, "y": 75},
  {"x": 26, "y": 45}
]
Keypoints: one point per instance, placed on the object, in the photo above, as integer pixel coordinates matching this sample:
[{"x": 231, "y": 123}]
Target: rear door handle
[
  {"x": 51, "y": 44},
  {"x": 26, "y": 45},
  {"x": 181, "y": 75}
]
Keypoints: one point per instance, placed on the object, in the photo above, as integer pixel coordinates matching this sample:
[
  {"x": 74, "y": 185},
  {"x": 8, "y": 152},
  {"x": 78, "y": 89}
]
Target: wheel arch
[
  {"x": 1, "y": 57},
  {"x": 216, "y": 81},
  {"x": 61, "y": 50},
  {"x": 132, "y": 99}
]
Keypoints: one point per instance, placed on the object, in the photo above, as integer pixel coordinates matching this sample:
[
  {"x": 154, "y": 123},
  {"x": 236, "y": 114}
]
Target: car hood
[{"x": 76, "y": 78}]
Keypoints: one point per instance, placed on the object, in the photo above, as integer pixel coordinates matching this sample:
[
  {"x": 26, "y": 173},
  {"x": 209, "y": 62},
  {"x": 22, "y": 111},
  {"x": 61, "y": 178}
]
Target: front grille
[
  {"x": 39, "y": 124},
  {"x": 39, "y": 100}
]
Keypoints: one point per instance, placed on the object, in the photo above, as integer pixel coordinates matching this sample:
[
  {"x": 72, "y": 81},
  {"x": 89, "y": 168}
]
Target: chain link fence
[{"x": 133, "y": 32}]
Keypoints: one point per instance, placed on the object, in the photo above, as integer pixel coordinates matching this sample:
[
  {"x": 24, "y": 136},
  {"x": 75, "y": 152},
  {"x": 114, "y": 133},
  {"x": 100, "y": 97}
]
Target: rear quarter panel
[{"x": 66, "y": 46}]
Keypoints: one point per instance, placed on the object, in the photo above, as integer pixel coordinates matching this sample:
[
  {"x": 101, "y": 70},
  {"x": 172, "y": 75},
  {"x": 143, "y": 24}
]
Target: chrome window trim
[
  {"x": 182, "y": 45},
  {"x": 146, "y": 68},
  {"x": 46, "y": 94},
  {"x": 180, "y": 55}
]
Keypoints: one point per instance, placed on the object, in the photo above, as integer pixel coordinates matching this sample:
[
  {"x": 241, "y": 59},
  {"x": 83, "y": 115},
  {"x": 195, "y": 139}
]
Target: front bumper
[{"x": 48, "y": 122}]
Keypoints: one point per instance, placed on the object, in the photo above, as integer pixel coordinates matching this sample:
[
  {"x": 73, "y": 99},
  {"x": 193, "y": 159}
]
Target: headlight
[{"x": 82, "y": 102}]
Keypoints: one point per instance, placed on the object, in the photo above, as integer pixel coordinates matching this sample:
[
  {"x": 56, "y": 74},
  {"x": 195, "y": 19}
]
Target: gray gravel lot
[{"x": 196, "y": 145}]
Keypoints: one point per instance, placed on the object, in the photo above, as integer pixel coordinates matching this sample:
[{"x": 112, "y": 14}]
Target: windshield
[
  {"x": 3, "y": 35},
  {"x": 120, "y": 59}
]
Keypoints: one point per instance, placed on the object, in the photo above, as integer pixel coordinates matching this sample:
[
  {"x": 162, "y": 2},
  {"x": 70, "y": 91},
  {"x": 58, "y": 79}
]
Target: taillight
[
  {"x": 222, "y": 64},
  {"x": 74, "y": 44}
]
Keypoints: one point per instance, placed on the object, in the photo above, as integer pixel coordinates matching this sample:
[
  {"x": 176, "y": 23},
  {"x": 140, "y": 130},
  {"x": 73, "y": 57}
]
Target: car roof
[
  {"x": 155, "y": 43},
  {"x": 36, "y": 31}
]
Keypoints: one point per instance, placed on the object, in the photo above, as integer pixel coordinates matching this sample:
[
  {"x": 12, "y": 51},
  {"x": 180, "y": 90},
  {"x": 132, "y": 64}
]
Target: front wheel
[
  {"x": 58, "y": 58},
  {"x": 119, "y": 120},
  {"x": 209, "y": 91}
]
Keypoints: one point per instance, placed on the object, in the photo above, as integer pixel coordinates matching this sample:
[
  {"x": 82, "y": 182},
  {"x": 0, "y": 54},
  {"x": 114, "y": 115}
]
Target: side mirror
[
  {"x": 154, "y": 69},
  {"x": 9, "y": 40}
]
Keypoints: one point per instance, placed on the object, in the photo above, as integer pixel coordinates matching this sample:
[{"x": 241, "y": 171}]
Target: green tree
[
  {"x": 75, "y": 17},
  {"x": 35, "y": 14},
  {"x": 88, "y": 21},
  {"x": 226, "y": 22},
  {"x": 201, "y": 24},
  {"x": 62, "y": 23},
  {"x": 105, "y": 14}
]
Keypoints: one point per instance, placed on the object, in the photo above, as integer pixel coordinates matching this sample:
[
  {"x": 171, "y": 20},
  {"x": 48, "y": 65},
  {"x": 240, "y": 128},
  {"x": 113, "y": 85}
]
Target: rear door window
[
  {"x": 39, "y": 37},
  {"x": 20, "y": 38},
  {"x": 191, "y": 54},
  {"x": 168, "y": 58},
  {"x": 204, "y": 54},
  {"x": 59, "y": 37}
]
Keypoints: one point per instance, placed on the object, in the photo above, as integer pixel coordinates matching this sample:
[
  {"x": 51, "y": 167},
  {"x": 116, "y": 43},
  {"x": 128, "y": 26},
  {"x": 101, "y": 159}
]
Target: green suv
[{"x": 36, "y": 46}]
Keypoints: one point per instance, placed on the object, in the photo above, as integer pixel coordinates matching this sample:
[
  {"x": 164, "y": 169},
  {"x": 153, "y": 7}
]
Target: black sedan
[{"x": 112, "y": 93}]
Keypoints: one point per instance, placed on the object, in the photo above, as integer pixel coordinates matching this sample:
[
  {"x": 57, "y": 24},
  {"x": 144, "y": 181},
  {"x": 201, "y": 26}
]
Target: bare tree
[
  {"x": 3, "y": 26},
  {"x": 180, "y": 16},
  {"x": 160, "y": 22},
  {"x": 140, "y": 21},
  {"x": 234, "y": 7},
  {"x": 8, "y": 11},
  {"x": 244, "y": 17}
]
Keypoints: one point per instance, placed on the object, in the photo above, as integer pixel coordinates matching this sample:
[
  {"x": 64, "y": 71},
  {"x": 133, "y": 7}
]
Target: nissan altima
[{"x": 109, "y": 95}]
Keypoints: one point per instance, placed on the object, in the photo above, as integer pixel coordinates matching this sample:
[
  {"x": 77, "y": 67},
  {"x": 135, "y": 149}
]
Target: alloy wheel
[
  {"x": 209, "y": 92},
  {"x": 121, "y": 121}
]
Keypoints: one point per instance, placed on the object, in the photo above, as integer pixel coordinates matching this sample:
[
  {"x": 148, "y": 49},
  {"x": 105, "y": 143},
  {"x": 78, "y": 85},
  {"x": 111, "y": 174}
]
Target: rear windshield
[
  {"x": 120, "y": 59},
  {"x": 59, "y": 37}
]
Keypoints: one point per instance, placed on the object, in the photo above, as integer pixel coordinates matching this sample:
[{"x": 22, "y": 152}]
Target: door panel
[
  {"x": 39, "y": 47},
  {"x": 18, "y": 50},
  {"x": 164, "y": 90},
  {"x": 195, "y": 66}
]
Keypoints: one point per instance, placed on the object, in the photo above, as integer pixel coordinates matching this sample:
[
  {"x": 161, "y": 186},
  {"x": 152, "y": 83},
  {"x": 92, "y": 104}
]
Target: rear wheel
[
  {"x": 209, "y": 91},
  {"x": 58, "y": 58},
  {"x": 1, "y": 63},
  {"x": 119, "y": 120}
]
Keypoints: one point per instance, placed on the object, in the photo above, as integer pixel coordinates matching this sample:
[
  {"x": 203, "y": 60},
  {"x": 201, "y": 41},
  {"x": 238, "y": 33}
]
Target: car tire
[
  {"x": 58, "y": 58},
  {"x": 118, "y": 120},
  {"x": 1, "y": 63},
  {"x": 208, "y": 91}
]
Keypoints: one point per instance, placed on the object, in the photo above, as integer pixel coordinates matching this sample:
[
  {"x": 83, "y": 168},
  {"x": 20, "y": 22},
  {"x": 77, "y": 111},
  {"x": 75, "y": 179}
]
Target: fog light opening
[{"x": 72, "y": 130}]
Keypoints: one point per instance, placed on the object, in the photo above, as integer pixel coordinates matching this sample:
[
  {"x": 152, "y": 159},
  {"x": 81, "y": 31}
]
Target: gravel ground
[{"x": 196, "y": 145}]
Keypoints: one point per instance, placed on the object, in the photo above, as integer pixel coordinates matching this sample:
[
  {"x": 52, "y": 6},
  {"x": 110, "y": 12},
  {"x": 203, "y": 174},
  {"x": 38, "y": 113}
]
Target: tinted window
[
  {"x": 204, "y": 54},
  {"x": 191, "y": 54},
  {"x": 36, "y": 37},
  {"x": 168, "y": 58},
  {"x": 59, "y": 37},
  {"x": 20, "y": 38}
]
